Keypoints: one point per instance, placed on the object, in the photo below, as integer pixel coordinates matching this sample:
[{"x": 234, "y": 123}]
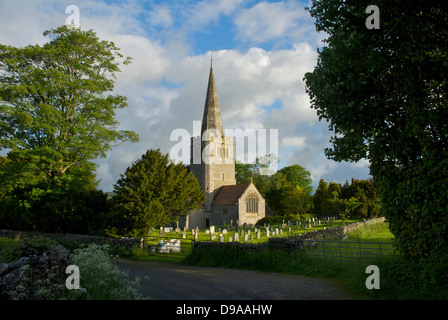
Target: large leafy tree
[
  {"x": 57, "y": 114},
  {"x": 56, "y": 110},
  {"x": 384, "y": 93},
  {"x": 151, "y": 192},
  {"x": 298, "y": 176}
]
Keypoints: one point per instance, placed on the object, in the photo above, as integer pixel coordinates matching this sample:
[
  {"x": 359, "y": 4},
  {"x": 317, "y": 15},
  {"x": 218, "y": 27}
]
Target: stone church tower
[
  {"x": 216, "y": 166},
  {"x": 212, "y": 162}
]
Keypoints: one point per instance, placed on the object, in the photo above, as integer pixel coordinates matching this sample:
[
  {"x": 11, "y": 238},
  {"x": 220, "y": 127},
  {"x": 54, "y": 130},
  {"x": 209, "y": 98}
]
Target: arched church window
[{"x": 252, "y": 204}]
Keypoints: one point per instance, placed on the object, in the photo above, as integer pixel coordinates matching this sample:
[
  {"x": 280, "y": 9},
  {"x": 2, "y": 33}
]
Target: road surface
[{"x": 180, "y": 282}]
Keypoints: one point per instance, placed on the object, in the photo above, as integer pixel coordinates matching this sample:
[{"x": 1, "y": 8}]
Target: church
[{"x": 227, "y": 203}]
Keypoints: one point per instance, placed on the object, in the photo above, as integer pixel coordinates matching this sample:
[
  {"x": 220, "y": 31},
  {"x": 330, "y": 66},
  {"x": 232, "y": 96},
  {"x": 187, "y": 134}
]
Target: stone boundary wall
[
  {"x": 290, "y": 243},
  {"x": 77, "y": 239}
]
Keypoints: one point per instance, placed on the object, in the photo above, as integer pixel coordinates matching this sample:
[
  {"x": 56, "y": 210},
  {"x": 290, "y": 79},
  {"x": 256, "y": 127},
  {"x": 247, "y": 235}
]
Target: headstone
[
  {"x": 235, "y": 236},
  {"x": 184, "y": 235},
  {"x": 177, "y": 229},
  {"x": 258, "y": 235},
  {"x": 224, "y": 231},
  {"x": 267, "y": 233},
  {"x": 276, "y": 231},
  {"x": 251, "y": 237},
  {"x": 230, "y": 239},
  {"x": 246, "y": 237},
  {"x": 212, "y": 229},
  {"x": 196, "y": 234},
  {"x": 207, "y": 231},
  {"x": 221, "y": 238},
  {"x": 213, "y": 237}
]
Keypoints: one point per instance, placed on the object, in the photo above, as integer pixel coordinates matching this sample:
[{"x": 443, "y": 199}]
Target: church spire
[{"x": 212, "y": 112}]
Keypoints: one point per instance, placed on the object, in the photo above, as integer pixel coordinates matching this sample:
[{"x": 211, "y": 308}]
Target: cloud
[{"x": 268, "y": 21}]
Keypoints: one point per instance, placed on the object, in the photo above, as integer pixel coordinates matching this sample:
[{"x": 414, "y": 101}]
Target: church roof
[
  {"x": 212, "y": 113},
  {"x": 230, "y": 194}
]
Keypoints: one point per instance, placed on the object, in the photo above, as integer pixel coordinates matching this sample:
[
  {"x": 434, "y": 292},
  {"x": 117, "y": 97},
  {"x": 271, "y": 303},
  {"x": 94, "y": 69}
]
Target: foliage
[
  {"x": 298, "y": 176},
  {"x": 322, "y": 199},
  {"x": 367, "y": 192},
  {"x": 101, "y": 278},
  {"x": 346, "y": 207},
  {"x": 55, "y": 118},
  {"x": 287, "y": 192},
  {"x": 151, "y": 192},
  {"x": 54, "y": 111},
  {"x": 383, "y": 92},
  {"x": 12, "y": 249},
  {"x": 55, "y": 210}
]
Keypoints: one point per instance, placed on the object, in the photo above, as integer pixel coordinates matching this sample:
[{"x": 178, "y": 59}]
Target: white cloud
[
  {"x": 293, "y": 141},
  {"x": 267, "y": 21}
]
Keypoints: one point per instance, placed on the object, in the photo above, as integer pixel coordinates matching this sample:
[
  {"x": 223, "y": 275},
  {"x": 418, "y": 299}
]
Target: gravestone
[
  {"x": 267, "y": 233},
  {"x": 221, "y": 238},
  {"x": 246, "y": 237},
  {"x": 224, "y": 231},
  {"x": 212, "y": 229},
  {"x": 184, "y": 235},
  {"x": 258, "y": 235},
  {"x": 235, "y": 236},
  {"x": 213, "y": 237}
]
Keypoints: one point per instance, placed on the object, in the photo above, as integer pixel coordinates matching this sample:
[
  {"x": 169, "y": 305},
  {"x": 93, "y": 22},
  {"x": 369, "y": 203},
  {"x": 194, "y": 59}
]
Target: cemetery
[{"x": 171, "y": 242}]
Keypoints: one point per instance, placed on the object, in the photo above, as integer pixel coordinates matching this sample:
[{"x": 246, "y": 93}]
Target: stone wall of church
[
  {"x": 224, "y": 215},
  {"x": 249, "y": 217}
]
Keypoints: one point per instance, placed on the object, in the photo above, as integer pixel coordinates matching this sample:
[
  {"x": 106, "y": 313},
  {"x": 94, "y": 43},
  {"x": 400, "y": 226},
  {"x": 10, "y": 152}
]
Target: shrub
[
  {"x": 21, "y": 247},
  {"x": 100, "y": 278}
]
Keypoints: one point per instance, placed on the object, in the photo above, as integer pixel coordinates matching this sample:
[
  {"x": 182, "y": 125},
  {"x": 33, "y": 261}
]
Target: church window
[
  {"x": 252, "y": 204},
  {"x": 224, "y": 210}
]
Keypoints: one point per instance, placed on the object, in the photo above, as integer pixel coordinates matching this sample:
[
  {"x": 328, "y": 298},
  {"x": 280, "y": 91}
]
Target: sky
[{"x": 261, "y": 52}]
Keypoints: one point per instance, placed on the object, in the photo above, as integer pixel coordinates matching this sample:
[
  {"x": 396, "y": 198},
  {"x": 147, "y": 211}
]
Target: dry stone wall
[{"x": 290, "y": 243}]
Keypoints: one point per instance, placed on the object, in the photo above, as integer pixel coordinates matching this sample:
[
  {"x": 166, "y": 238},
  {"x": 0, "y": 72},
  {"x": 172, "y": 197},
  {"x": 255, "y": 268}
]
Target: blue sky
[{"x": 262, "y": 49}]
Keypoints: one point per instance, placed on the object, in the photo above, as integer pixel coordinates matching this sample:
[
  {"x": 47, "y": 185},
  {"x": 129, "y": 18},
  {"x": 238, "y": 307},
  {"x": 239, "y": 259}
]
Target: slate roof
[{"x": 230, "y": 194}]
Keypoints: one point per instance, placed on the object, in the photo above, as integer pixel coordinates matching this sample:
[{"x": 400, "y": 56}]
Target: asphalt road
[{"x": 180, "y": 282}]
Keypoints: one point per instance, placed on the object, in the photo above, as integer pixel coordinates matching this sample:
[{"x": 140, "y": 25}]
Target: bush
[
  {"x": 100, "y": 278},
  {"x": 12, "y": 249}
]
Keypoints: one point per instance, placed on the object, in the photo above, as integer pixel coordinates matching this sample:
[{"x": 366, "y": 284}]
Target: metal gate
[{"x": 345, "y": 250}]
